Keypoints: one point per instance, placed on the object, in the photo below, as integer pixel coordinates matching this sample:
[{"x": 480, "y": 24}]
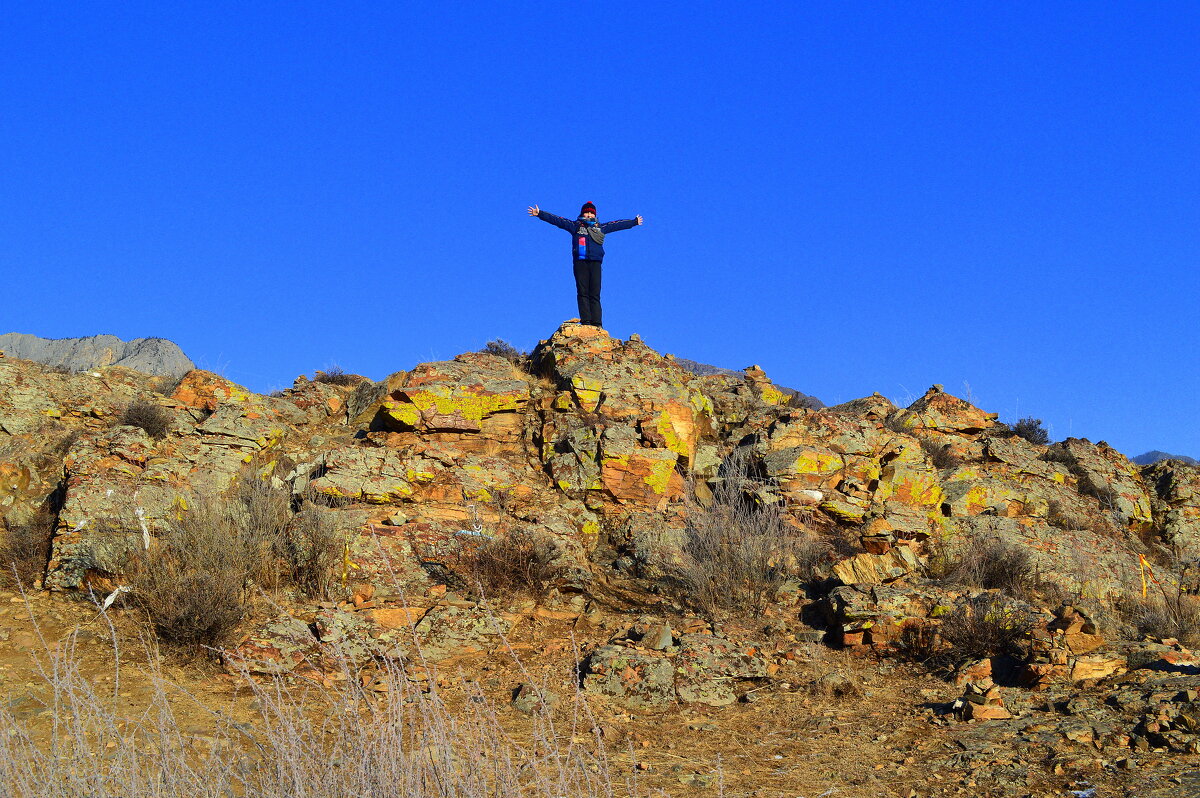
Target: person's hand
[
  {"x": 639, "y": 219},
  {"x": 535, "y": 210}
]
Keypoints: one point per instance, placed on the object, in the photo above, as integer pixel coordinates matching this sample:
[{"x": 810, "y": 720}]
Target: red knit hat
[{"x": 587, "y": 207}]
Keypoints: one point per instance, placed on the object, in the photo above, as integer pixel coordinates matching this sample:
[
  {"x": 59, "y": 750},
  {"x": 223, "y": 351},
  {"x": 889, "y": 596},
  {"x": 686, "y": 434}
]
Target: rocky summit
[
  {"x": 602, "y": 452},
  {"x": 156, "y": 356}
]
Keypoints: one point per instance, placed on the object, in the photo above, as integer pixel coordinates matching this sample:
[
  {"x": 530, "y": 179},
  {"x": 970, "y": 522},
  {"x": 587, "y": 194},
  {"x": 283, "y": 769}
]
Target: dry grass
[
  {"x": 336, "y": 376},
  {"x": 1168, "y": 611},
  {"x": 300, "y": 549},
  {"x": 386, "y": 736},
  {"x": 739, "y": 550}
]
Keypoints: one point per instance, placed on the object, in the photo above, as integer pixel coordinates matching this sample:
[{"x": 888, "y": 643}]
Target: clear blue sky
[{"x": 856, "y": 196}]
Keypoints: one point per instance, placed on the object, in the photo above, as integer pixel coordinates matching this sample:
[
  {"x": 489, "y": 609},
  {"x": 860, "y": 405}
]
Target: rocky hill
[
  {"x": 156, "y": 356},
  {"x": 1155, "y": 455},
  {"x": 603, "y": 454}
]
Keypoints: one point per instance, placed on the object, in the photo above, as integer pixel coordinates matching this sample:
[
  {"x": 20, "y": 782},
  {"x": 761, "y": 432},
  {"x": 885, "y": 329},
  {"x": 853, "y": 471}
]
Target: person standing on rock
[{"x": 587, "y": 247}]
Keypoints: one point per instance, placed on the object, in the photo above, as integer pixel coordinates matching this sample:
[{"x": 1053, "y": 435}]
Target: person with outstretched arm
[{"x": 587, "y": 250}]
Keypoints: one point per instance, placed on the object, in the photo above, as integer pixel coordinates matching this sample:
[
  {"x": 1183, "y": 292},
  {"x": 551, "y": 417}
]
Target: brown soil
[{"x": 783, "y": 739}]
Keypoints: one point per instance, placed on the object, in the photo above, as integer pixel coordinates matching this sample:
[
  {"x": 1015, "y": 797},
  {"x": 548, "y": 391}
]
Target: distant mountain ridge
[
  {"x": 156, "y": 356},
  {"x": 1155, "y": 455},
  {"x": 800, "y": 399}
]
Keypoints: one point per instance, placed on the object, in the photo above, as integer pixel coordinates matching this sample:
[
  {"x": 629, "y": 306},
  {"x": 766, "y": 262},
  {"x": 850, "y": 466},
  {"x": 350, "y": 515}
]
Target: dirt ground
[{"x": 890, "y": 735}]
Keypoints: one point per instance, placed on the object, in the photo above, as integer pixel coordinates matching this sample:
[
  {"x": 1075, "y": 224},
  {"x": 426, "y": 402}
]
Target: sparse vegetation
[
  {"x": 1171, "y": 614},
  {"x": 939, "y": 453},
  {"x": 384, "y": 736},
  {"x": 1168, "y": 610},
  {"x": 987, "y": 625},
  {"x": 988, "y": 564},
  {"x": 191, "y": 583},
  {"x": 510, "y": 564},
  {"x": 25, "y": 549},
  {"x": 739, "y": 551},
  {"x": 300, "y": 549},
  {"x": 153, "y": 419},
  {"x": 1058, "y": 453},
  {"x": 1031, "y": 429},
  {"x": 336, "y": 376},
  {"x": 313, "y": 552},
  {"x": 194, "y": 580},
  {"x": 504, "y": 349}
]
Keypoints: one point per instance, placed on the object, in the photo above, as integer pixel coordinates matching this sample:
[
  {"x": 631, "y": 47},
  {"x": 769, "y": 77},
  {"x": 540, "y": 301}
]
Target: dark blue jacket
[{"x": 592, "y": 250}]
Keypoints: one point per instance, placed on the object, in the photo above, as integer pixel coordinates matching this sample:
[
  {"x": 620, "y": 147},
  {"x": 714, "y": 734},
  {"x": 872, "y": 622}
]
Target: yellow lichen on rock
[{"x": 588, "y": 392}]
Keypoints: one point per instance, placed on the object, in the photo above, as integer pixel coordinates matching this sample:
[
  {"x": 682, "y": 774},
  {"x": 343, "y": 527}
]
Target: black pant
[{"x": 587, "y": 291}]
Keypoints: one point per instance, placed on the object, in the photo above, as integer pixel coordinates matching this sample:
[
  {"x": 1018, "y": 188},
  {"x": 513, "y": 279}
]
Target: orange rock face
[{"x": 205, "y": 390}]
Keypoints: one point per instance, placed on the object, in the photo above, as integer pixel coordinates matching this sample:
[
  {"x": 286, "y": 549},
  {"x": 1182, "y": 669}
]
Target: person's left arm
[{"x": 620, "y": 224}]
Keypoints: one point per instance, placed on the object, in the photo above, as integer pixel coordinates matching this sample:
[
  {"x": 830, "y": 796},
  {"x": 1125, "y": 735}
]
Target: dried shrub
[
  {"x": 258, "y": 514},
  {"x": 336, "y": 376},
  {"x": 990, "y": 565},
  {"x": 25, "y": 550},
  {"x": 299, "y": 549},
  {"x": 312, "y": 552},
  {"x": 193, "y": 580},
  {"x": 1031, "y": 429},
  {"x": 985, "y": 626},
  {"x": 150, "y": 417},
  {"x": 191, "y": 583},
  {"x": 1168, "y": 613},
  {"x": 501, "y": 348},
  {"x": 510, "y": 564},
  {"x": 739, "y": 550},
  {"x": 1058, "y": 453},
  {"x": 940, "y": 454}
]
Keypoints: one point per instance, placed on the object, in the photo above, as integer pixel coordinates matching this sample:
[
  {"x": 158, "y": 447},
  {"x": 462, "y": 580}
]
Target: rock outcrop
[{"x": 596, "y": 448}]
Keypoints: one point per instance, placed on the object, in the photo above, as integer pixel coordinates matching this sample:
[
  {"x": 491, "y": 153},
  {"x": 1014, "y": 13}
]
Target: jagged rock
[
  {"x": 874, "y": 614},
  {"x": 707, "y": 666},
  {"x": 1107, "y": 475},
  {"x": 532, "y": 700},
  {"x": 449, "y": 631},
  {"x": 595, "y": 452},
  {"x": 875, "y": 569},
  {"x": 474, "y": 393},
  {"x": 982, "y": 700},
  {"x": 1176, "y": 503},
  {"x": 635, "y": 678},
  {"x": 702, "y": 669},
  {"x": 938, "y": 410},
  {"x": 1069, "y": 647}
]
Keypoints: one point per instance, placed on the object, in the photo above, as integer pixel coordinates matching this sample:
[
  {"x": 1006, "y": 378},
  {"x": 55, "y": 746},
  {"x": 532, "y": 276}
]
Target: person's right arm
[{"x": 557, "y": 221}]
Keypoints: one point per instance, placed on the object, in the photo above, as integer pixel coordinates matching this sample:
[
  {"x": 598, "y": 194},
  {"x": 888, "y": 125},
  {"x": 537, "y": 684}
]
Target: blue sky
[{"x": 1001, "y": 198}]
